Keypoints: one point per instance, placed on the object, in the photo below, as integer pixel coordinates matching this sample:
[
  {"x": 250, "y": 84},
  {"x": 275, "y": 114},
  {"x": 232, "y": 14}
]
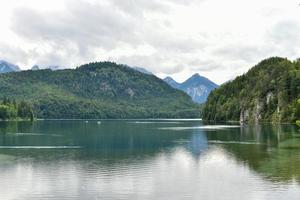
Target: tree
[
  {"x": 10, "y": 109},
  {"x": 25, "y": 111},
  {"x": 298, "y": 112},
  {"x": 7, "y": 112}
]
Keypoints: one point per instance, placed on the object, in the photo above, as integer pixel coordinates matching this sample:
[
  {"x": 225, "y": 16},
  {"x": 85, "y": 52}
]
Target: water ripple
[{"x": 40, "y": 147}]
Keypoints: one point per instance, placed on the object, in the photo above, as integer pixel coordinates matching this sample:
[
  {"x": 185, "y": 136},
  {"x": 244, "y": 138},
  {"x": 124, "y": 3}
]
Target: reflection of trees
[
  {"x": 272, "y": 151},
  {"x": 276, "y": 155},
  {"x": 283, "y": 165},
  {"x": 6, "y": 127}
]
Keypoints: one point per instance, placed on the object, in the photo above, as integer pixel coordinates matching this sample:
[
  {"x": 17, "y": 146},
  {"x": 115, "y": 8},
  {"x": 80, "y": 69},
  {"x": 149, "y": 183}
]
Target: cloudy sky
[{"x": 216, "y": 38}]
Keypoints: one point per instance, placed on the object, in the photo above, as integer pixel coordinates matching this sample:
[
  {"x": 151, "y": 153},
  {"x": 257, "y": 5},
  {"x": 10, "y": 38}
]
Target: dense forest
[
  {"x": 97, "y": 90},
  {"x": 12, "y": 110},
  {"x": 267, "y": 92},
  {"x": 298, "y": 120}
]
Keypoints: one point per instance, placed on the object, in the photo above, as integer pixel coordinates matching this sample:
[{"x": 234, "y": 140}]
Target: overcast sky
[{"x": 215, "y": 38}]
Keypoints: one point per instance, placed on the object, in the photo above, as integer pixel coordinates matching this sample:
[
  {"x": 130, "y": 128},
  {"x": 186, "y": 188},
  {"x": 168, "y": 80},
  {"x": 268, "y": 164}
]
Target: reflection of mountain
[{"x": 198, "y": 143}]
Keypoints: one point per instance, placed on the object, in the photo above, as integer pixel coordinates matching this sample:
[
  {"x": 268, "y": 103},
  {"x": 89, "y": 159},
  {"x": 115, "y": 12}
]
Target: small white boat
[{"x": 98, "y": 122}]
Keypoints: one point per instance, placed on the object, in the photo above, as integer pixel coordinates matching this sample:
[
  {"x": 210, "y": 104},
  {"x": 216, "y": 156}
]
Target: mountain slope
[
  {"x": 197, "y": 87},
  {"x": 6, "y": 67},
  {"x": 143, "y": 70},
  {"x": 172, "y": 82},
  {"x": 267, "y": 92},
  {"x": 97, "y": 90}
]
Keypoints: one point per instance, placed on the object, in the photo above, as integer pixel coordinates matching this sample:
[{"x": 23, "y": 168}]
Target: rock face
[
  {"x": 255, "y": 114},
  {"x": 6, "y": 67},
  {"x": 244, "y": 116},
  {"x": 197, "y": 87}
]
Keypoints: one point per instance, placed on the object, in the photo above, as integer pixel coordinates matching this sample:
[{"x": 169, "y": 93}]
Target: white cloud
[{"x": 218, "y": 39}]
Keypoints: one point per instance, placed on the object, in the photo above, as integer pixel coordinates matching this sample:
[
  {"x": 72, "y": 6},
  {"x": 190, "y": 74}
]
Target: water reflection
[{"x": 148, "y": 160}]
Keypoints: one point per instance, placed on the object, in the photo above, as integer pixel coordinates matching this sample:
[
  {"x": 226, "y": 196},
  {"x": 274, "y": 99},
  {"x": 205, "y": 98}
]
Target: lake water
[{"x": 144, "y": 159}]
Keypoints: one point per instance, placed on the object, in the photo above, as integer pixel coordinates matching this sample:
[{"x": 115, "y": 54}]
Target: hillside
[
  {"x": 267, "y": 92},
  {"x": 197, "y": 87},
  {"x": 96, "y": 90}
]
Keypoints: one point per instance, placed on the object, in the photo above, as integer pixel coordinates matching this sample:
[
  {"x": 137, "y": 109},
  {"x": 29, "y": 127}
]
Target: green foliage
[
  {"x": 267, "y": 92},
  {"x": 7, "y": 112},
  {"x": 298, "y": 112},
  {"x": 25, "y": 111},
  {"x": 10, "y": 110},
  {"x": 97, "y": 90}
]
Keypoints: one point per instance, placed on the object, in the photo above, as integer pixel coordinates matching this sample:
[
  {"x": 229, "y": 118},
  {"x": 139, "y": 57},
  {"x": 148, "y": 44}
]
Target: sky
[{"x": 215, "y": 38}]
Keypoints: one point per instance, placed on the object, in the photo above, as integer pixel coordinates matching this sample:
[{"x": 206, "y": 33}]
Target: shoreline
[{"x": 151, "y": 119}]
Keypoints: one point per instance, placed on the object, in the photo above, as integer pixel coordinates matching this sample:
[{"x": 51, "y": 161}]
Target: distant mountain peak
[
  {"x": 6, "y": 67},
  {"x": 52, "y": 67},
  {"x": 196, "y": 75},
  {"x": 169, "y": 78},
  {"x": 35, "y": 67},
  {"x": 172, "y": 82},
  {"x": 197, "y": 87}
]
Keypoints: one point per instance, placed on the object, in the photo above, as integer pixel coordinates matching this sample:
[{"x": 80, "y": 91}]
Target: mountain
[
  {"x": 97, "y": 90},
  {"x": 53, "y": 68},
  {"x": 6, "y": 67},
  {"x": 172, "y": 82},
  {"x": 143, "y": 70},
  {"x": 35, "y": 67},
  {"x": 197, "y": 87},
  {"x": 267, "y": 92}
]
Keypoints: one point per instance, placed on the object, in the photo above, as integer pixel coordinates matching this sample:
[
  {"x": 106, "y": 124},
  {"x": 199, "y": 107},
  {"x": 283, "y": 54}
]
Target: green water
[{"x": 144, "y": 159}]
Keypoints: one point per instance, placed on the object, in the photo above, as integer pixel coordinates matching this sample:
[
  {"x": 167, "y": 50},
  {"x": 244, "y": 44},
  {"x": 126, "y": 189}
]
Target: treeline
[
  {"x": 12, "y": 110},
  {"x": 298, "y": 120},
  {"x": 267, "y": 92}
]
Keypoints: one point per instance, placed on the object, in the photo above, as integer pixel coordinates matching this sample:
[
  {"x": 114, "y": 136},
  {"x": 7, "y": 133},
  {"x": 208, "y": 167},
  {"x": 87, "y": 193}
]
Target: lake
[{"x": 148, "y": 159}]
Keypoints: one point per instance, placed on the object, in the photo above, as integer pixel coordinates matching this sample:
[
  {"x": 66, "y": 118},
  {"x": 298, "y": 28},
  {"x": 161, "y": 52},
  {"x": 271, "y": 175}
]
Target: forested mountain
[
  {"x": 197, "y": 87},
  {"x": 267, "y": 92},
  {"x": 96, "y": 90},
  {"x": 6, "y": 67}
]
